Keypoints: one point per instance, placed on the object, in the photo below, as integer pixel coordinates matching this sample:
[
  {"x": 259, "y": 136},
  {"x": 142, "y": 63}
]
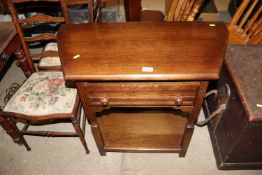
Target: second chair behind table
[{"x": 38, "y": 27}]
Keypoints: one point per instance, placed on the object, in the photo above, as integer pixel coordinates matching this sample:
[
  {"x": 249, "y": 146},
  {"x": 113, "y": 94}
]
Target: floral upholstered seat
[
  {"x": 43, "y": 93},
  {"x": 50, "y": 61}
]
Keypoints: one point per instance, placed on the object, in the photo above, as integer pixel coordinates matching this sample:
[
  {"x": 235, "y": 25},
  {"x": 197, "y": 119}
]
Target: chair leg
[
  {"x": 19, "y": 135},
  {"x": 24, "y": 142},
  {"x": 80, "y": 134}
]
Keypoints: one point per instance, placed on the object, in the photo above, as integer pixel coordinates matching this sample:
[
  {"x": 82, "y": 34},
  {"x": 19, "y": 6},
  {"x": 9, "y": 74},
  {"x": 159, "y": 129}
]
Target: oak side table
[{"x": 142, "y": 84}]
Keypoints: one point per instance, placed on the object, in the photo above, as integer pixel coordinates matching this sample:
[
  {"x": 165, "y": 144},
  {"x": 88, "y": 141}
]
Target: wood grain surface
[{"x": 120, "y": 51}]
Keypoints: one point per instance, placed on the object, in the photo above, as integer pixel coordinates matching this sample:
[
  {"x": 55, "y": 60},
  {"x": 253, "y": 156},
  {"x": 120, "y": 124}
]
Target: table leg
[
  {"x": 132, "y": 10},
  {"x": 186, "y": 138},
  {"x": 92, "y": 118},
  {"x": 193, "y": 118},
  {"x": 98, "y": 138}
]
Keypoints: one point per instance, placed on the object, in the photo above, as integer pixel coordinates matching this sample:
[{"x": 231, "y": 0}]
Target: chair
[
  {"x": 246, "y": 24},
  {"x": 39, "y": 29},
  {"x": 43, "y": 98},
  {"x": 184, "y": 10},
  {"x": 94, "y": 8},
  {"x": 180, "y": 10}
]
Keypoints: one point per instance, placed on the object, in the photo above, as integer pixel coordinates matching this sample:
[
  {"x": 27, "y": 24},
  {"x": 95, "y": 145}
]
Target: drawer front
[{"x": 142, "y": 94}]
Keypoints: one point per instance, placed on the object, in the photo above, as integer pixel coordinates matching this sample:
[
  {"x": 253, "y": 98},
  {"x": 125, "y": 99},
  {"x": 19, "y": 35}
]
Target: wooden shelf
[{"x": 136, "y": 131}]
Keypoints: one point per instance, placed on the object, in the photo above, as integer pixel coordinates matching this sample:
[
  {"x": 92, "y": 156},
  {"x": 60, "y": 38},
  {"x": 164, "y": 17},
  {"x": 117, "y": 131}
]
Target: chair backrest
[
  {"x": 94, "y": 7},
  {"x": 246, "y": 24},
  {"x": 184, "y": 10},
  {"x": 25, "y": 23}
]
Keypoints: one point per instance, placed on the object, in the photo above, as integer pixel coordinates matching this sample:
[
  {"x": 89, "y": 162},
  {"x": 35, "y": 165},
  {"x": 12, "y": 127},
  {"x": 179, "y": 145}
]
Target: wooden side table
[{"x": 142, "y": 84}]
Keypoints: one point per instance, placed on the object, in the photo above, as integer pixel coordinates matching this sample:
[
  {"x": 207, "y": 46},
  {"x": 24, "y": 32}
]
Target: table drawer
[{"x": 147, "y": 94}]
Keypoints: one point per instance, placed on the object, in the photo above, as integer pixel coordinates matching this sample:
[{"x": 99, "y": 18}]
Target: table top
[
  {"x": 7, "y": 33},
  {"x": 138, "y": 51},
  {"x": 244, "y": 63}
]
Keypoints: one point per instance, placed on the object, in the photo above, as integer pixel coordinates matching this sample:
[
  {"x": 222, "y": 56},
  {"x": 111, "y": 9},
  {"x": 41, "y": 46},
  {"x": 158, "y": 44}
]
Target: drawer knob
[
  {"x": 104, "y": 101},
  {"x": 178, "y": 100}
]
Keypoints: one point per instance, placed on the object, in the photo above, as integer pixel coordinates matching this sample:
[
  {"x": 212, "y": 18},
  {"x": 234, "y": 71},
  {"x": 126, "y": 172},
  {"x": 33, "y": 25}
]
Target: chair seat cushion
[
  {"x": 50, "y": 61},
  {"x": 43, "y": 93}
]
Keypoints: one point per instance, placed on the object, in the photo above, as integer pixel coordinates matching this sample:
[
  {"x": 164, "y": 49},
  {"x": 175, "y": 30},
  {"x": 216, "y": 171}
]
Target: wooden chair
[
  {"x": 246, "y": 24},
  {"x": 31, "y": 32},
  {"x": 43, "y": 98},
  {"x": 48, "y": 57},
  {"x": 94, "y": 8},
  {"x": 184, "y": 10},
  {"x": 180, "y": 10}
]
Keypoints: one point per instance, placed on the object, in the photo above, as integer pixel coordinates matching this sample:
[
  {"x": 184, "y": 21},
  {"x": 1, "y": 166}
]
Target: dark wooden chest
[{"x": 236, "y": 134}]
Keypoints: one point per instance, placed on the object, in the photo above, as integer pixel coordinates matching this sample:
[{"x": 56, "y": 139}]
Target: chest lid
[{"x": 244, "y": 63}]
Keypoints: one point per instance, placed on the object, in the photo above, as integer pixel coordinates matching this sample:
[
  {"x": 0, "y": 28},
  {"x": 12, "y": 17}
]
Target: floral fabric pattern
[
  {"x": 50, "y": 61},
  {"x": 42, "y": 94},
  {"x": 51, "y": 47}
]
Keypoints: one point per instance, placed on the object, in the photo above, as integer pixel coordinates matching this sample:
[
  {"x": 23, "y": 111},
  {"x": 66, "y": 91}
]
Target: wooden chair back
[
  {"x": 184, "y": 10},
  {"x": 180, "y": 10},
  {"x": 246, "y": 24},
  {"x": 23, "y": 24},
  {"x": 94, "y": 8}
]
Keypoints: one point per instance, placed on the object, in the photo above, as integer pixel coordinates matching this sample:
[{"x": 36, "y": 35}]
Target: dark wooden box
[{"x": 236, "y": 134}]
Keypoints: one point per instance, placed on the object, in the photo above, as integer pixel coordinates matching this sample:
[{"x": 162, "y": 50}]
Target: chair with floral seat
[{"x": 43, "y": 99}]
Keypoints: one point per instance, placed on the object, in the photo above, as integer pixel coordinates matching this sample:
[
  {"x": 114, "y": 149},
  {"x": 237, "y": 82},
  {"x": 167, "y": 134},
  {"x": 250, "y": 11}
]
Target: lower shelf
[{"x": 147, "y": 131}]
